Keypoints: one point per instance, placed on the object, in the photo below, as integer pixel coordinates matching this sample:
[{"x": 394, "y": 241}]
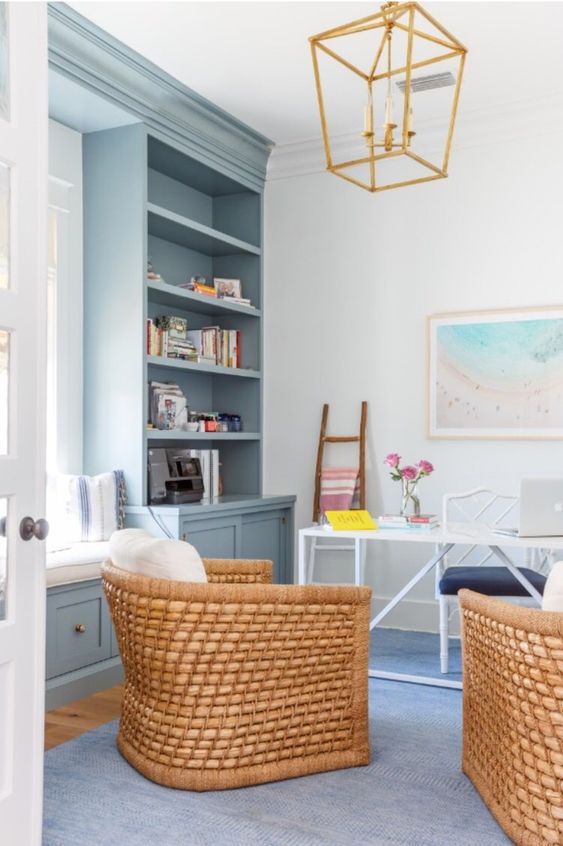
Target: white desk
[{"x": 443, "y": 540}]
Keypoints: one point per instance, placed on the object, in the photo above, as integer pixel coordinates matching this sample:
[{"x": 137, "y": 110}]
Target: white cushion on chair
[
  {"x": 553, "y": 590},
  {"x": 158, "y": 558}
]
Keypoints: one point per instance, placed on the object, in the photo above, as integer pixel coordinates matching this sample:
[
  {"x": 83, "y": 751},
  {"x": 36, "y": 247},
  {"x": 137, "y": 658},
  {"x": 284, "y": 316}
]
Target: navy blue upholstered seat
[{"x": 490, "y": 581}]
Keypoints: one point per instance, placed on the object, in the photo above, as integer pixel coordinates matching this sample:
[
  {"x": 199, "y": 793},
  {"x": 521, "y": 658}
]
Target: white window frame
[{"x": 65, "y": 199}]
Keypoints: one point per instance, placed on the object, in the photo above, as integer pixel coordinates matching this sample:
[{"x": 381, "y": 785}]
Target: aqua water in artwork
[{"x": 500, "y": 374}]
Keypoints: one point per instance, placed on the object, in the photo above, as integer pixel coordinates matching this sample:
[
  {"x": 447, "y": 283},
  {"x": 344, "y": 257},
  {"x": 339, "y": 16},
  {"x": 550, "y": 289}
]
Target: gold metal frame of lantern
[{"x": 392, "y": 16}]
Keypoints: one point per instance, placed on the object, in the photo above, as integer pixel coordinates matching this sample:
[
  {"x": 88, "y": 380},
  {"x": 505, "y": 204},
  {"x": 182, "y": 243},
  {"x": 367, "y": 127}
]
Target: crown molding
[
  {"x": 86, "y": 54},
  {"x": 510, "y": 122}
]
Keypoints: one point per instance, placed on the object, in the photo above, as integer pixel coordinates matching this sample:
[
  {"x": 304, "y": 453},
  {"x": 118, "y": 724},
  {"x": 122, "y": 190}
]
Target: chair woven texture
[
  {"x": 513, "y": 715},
  {"x": 238, "y": 681}
]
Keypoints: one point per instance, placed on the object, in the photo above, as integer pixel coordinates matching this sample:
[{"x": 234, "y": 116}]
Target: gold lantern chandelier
[{"x": 396, "y": 43}]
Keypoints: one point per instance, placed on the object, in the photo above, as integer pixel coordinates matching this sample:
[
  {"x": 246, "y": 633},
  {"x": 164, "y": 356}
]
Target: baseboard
[
  {"x": 421, "y": 615},
  {"x": 80, "y": 683}
]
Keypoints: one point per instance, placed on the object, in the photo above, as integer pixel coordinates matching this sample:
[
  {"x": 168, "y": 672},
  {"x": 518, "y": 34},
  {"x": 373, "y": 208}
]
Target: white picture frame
[
  {"x": 226, "y": 288},
  {"x": 496, "y": 374}
]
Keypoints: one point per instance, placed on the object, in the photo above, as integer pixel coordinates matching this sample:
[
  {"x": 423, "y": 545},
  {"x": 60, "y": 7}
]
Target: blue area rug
[
  {"x": 413, "y": 792},
  {"x": 415, "y": 653}
]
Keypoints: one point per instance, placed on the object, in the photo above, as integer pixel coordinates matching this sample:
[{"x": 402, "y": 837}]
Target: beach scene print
[{"x": 497, "y": 375}]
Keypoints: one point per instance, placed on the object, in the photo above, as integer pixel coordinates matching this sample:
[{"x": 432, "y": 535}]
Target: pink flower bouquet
[
  {"x": 411, "y": 472},
  {"x": 409, "y": 475}
]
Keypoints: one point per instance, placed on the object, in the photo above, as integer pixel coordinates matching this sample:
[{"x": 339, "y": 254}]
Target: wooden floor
[{"x": 81, "y": 716}]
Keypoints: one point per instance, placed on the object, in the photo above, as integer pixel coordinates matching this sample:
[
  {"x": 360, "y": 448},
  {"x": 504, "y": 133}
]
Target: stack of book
[
  {"x": 217, "y": 346},
  {"x": 222, "y": 289},
  {"x": 168, "y": 407},
  {"x": 169, "y": 336},
  {"x": 419, "y": 523},
  {"x": 199, "y": 285}
]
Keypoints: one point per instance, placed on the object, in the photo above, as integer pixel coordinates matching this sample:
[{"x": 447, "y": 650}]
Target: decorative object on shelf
[
  {"x": 231, "y": 289},
  {"x": 409, "y": 475},
  {"x": 227, "y": 287},
  {"x": 496, "y": 374},
  {"x": 381, "y": 50},
  {"x": 151, "y": 272}
]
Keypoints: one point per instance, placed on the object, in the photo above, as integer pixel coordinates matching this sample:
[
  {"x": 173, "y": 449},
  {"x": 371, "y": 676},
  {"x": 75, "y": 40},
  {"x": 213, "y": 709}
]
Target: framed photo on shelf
[
  {"x": 228, "y": 287},
  {"x": 496, "y": 374}
]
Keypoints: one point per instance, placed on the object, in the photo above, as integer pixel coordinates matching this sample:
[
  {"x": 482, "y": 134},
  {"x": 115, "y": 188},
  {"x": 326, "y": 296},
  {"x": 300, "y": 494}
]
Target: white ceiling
[{"x": 253, "y": 59}]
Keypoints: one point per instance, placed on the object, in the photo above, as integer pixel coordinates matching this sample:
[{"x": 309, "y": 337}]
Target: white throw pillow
[
  {"x": 138, "y": 552},
  {"x": 84, "y": 508},
  {"x": 553, "y": 590}
]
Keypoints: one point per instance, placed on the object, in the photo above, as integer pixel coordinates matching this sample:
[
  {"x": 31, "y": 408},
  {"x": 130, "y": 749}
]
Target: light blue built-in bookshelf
[
  {"x": 147, "y": 197},
  {"x": 144, "y": 198}
]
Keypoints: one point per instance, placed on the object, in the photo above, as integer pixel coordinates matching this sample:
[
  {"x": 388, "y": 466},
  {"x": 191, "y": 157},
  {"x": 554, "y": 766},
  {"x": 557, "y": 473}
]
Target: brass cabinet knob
[{"x": 80, "y": 628}]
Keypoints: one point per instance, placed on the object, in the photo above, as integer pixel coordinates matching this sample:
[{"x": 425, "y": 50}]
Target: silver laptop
[{"x": 541, "y": 509}]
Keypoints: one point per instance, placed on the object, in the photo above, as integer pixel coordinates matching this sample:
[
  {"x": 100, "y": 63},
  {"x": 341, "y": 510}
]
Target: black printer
[{"x": 174, "y": 477}]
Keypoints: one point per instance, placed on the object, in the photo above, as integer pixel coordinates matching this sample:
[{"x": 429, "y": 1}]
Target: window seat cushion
[{"x": 77, "y": 563}]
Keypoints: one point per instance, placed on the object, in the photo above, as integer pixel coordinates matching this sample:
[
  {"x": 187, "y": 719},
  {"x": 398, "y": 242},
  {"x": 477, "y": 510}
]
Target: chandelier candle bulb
[
  {"x": 410, "y": 132},
  {"x": 368, "y": 120},
  {"x": 389, "y": 111}
]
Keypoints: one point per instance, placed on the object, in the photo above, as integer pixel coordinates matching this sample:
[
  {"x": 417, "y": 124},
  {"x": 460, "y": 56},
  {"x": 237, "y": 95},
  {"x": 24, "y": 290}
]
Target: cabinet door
[
  {"x": 217, "y": 537},
  {"x": 78, "y": 629},
  {"x": 264, "y": 536}
]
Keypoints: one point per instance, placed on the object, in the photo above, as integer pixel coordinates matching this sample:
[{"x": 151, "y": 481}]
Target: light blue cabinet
[
  {"x": 78, "y": 628},
  {"x": 251, "y": 527},
  {"x": 81, "y": 650}
]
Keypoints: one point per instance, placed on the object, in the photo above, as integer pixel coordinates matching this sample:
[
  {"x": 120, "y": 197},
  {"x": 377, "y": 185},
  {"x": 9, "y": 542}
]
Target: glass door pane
[
  {"x": 4, "y": 64},
  {"x": 4, "y": 388},
  {"x": 3, "y": 556},
  {"x": 4, "y": 226}
]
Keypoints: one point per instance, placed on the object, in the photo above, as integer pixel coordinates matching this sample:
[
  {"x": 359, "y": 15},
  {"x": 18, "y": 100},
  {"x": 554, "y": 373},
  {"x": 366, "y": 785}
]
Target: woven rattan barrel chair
[
  {"x": 513, "y": 715},
  {"x": 238, "y": 681}
]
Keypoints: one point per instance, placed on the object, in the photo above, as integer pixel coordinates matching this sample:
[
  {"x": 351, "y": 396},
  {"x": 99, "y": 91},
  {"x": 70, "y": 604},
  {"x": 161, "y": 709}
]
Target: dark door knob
[{"x": 30, "y": 528}]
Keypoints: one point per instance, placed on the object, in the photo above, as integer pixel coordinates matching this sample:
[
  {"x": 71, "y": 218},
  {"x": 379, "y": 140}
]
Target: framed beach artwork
[{"x": 496, "y": 374}]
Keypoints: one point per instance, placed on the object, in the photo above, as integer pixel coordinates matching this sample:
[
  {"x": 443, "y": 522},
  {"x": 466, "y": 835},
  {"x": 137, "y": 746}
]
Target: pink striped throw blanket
[{"x": 340, "y": 488}]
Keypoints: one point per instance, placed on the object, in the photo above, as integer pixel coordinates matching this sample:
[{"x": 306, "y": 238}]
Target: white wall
[
  {"x": 350, "y": 279},
  {"x": 65, "y": 196}
]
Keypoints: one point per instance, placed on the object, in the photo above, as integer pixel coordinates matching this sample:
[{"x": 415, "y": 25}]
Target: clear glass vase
[{"x": 410, "y": 503}]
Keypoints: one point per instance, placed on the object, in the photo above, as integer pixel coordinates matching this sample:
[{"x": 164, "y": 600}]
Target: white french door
[{"x": 23, "y": 276}]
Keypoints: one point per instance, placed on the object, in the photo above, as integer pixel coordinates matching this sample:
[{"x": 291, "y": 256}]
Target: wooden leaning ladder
[
  {"x": 358, "y": 548},
  {"x": 340, "y": 439}
]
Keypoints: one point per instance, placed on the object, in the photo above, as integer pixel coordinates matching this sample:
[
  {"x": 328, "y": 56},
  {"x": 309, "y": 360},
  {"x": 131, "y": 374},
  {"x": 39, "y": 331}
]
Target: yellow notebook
[{"x": 350, "y": 521}]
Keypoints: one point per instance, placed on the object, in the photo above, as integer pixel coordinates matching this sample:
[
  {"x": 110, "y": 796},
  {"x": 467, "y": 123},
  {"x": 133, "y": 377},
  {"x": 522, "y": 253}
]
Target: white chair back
[{"x": 489, "y": 507}]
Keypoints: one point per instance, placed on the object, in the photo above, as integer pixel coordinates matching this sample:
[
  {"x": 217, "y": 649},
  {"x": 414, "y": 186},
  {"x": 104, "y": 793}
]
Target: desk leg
[
  {"x": 363, "y": 562},
  {"x": 503, "y": 557},
  {"x": 357, "y": 561},
  {"x": 301, "y": 564},
  {"x": 311, "y": 563},
  {"x": 409, "y": 586}
]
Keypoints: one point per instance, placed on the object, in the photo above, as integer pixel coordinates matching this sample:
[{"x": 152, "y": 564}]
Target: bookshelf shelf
[
  {"x": 216, "y": 369},
  {"x": 185, "y": 232},
  {"x": 177, "y": 435},
  {"x": 171, "y": 296}
]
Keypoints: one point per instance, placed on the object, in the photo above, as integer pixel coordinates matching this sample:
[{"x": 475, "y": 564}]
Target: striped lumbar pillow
[{"x": 90, "y": 508}]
